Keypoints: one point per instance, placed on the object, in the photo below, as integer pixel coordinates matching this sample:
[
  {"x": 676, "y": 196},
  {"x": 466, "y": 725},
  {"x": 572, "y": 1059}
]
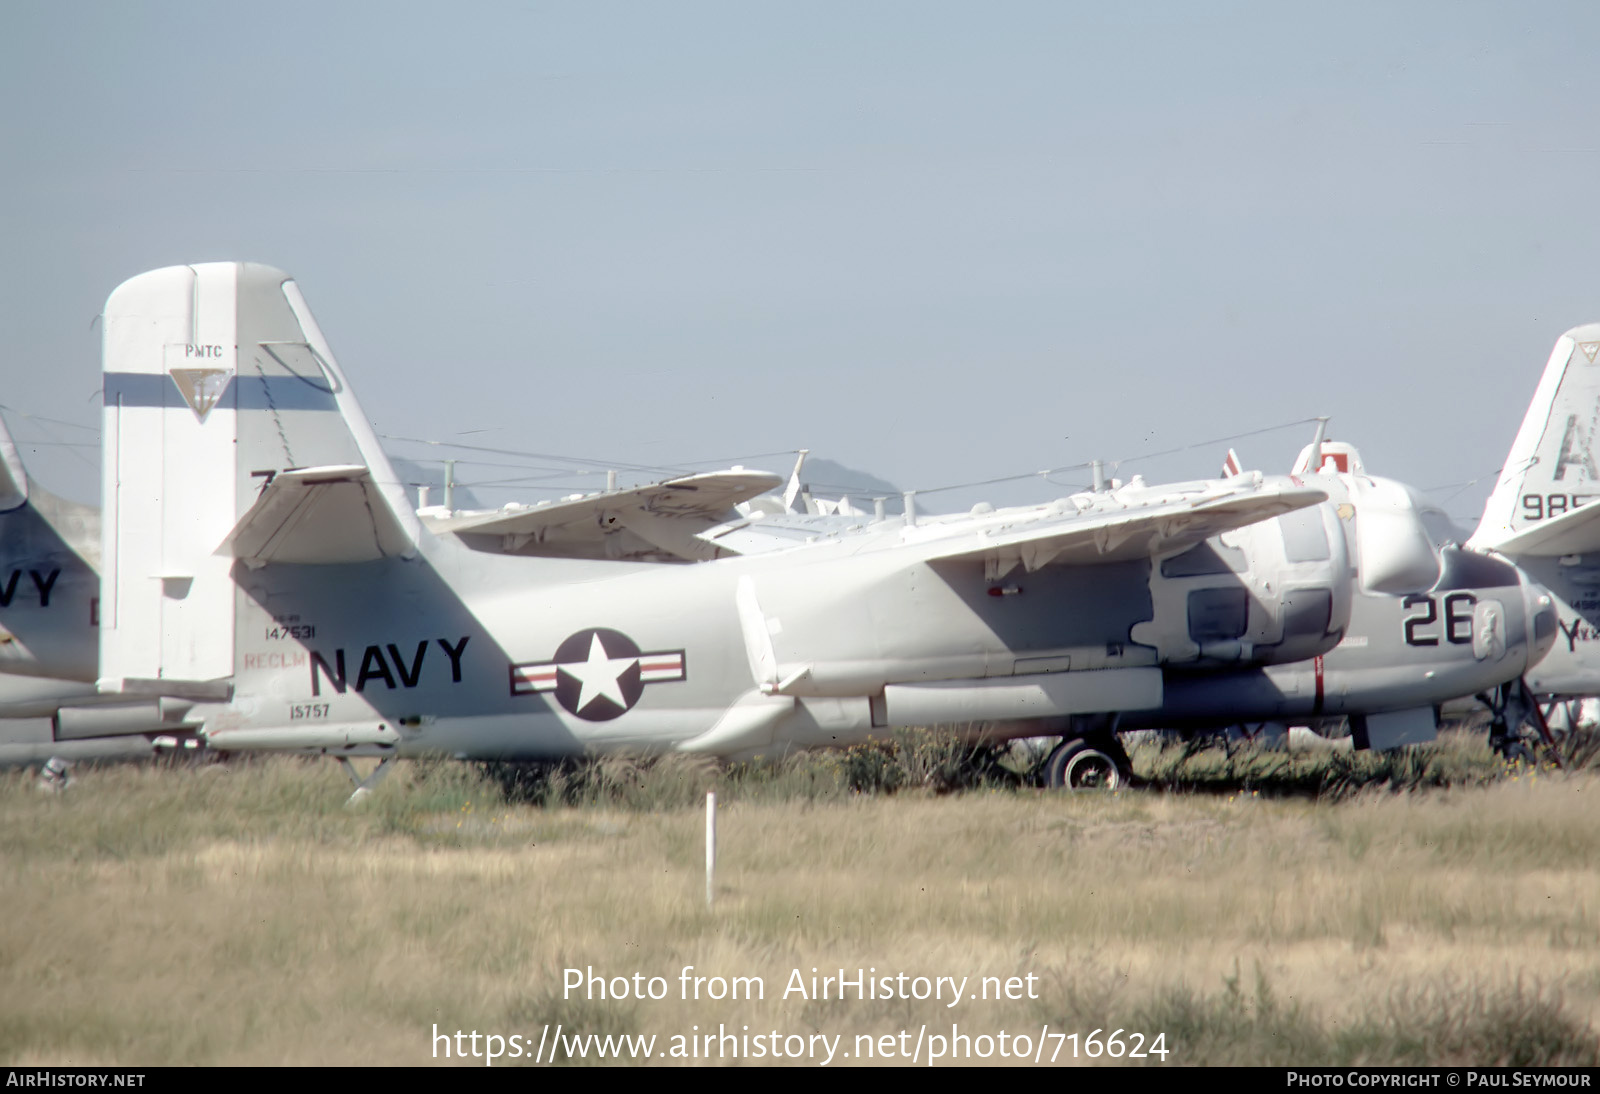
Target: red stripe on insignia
[{"x": 526, "y": 678}]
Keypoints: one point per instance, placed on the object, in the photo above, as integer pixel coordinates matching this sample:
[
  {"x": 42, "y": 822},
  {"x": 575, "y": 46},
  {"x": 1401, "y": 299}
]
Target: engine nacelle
[{"x": 1266, "y": 594}]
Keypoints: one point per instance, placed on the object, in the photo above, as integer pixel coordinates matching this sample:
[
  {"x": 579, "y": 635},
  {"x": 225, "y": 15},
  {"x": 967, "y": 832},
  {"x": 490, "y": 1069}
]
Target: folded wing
[
  {"x": 660, "y": 520},
  {"x": 1113, "y": 528}
]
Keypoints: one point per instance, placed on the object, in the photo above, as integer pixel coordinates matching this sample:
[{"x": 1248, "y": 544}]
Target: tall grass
[
  {"x": 943, "y": 763},
  {"x": 922, "y": 760},
  {"x": 1443, "y": 1022},
  {"x": 241, "y": 914}
]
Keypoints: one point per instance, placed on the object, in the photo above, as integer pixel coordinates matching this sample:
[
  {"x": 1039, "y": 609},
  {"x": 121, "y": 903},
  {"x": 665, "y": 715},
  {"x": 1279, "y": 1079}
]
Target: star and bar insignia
[{"x": 598, "y": 674}]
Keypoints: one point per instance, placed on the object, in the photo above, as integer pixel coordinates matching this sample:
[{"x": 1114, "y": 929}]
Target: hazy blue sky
[{"x": 939, "y": 242}]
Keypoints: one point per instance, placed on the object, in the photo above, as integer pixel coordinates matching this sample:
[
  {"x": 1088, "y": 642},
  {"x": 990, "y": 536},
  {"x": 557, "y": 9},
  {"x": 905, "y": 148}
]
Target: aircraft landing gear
[
  {"x": 1512, "y": 706},
  {"x": 1095, "y": 761},
  {"x": 1511, "y": 746},
  {"x": 364, "y": 787}
]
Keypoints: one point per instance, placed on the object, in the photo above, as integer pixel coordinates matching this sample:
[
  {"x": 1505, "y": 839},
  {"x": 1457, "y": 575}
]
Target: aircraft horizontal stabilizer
[
  {"x": 1126, "y": 531},
  {"x": 163, "y": 687},
  {"x": 318, "y": 515},
  {"x": 666, "y": 515},
  {"x": 1575, "y": 532}
]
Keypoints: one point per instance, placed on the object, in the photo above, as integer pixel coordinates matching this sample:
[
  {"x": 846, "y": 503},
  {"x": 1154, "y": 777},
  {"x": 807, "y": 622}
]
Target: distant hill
[{"x": 825, "y": 478}]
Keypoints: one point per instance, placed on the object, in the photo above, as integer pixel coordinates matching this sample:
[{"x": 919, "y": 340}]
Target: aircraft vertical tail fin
[
  {"x": 48, "y": 584},
  {"x": 218, "y": 381},
  {"x": 13, "y": 477},
  {"x": 1553, "y": 468},
  {"x": 792, "y": 491}
]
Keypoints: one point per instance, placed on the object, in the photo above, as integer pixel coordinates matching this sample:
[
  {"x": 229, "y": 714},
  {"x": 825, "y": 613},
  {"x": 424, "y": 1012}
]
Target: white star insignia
[{"x": 600, "y": 675}]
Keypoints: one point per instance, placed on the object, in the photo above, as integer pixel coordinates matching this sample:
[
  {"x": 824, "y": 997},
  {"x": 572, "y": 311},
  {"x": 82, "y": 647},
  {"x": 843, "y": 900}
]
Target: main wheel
[
  {"x": 1078, "y": 765},
  {"x": 1513, "y": 748}
]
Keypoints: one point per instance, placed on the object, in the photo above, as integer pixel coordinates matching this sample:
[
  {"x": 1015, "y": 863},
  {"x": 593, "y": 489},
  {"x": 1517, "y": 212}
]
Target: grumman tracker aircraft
[
  {"x": 55, "y": 543},
  {"x": 1541, "y": 515},
  {"x": 1429, "y": 621},
  {"x": 262, "y": 563}
]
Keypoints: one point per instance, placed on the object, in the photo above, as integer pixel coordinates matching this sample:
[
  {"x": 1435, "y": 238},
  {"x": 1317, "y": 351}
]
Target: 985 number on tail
[{"x": 1545, "y": 506}]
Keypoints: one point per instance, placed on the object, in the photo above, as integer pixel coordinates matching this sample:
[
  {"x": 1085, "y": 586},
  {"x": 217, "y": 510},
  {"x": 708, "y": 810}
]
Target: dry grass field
[{"x": 1253, "y": 908}]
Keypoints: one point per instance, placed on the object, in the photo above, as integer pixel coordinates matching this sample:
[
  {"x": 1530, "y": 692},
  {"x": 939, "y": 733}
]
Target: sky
[{"x": 940, "y": 243}]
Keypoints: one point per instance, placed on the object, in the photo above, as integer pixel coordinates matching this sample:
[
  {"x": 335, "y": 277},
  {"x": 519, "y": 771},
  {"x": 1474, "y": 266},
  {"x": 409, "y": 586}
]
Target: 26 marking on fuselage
[{"x": 1457, "y": 626}]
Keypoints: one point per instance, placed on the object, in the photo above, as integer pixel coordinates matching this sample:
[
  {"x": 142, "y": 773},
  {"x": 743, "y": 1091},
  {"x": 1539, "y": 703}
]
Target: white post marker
[{"x": 711, "y": 843}]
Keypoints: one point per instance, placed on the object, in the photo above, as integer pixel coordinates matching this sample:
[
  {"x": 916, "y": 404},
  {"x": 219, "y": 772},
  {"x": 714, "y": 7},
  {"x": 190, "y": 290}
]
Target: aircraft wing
[
  {"x": 1575, "y": 532},
  {"x": 318, "y": 514},
  {"x": 760, "y": 533},
  {"x": 1114, "y": 529},
  {"x": 665, "y": 515}
]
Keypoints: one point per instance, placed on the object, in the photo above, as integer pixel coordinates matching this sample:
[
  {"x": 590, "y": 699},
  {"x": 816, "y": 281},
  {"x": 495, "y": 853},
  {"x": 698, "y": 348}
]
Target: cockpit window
[{"x": 1304, "y": 538}]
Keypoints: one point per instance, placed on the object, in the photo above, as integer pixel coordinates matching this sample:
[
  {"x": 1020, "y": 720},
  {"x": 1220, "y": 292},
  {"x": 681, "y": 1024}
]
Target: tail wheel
[{"x": 1077, "y": 764}]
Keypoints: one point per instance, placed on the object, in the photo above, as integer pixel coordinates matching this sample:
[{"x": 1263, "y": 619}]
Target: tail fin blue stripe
[{"x": 143, "y": 389}]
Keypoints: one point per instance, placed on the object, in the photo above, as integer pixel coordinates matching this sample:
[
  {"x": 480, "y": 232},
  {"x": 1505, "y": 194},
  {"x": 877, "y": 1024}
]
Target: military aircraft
[
  {"x": 1540, "y": 514},
  {"x": 254, "y": 525},
  {"x": 263, "y": 565},
  {"x": 1229, "y": 645},
  {"x": 1212, "y": 668},
  {"x": 49, "y": 599},
  {"x": 1428, "y": 622}
]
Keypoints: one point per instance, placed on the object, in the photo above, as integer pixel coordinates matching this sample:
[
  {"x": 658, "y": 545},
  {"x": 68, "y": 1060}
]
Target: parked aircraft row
[{"x": 262, "y": 583}]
